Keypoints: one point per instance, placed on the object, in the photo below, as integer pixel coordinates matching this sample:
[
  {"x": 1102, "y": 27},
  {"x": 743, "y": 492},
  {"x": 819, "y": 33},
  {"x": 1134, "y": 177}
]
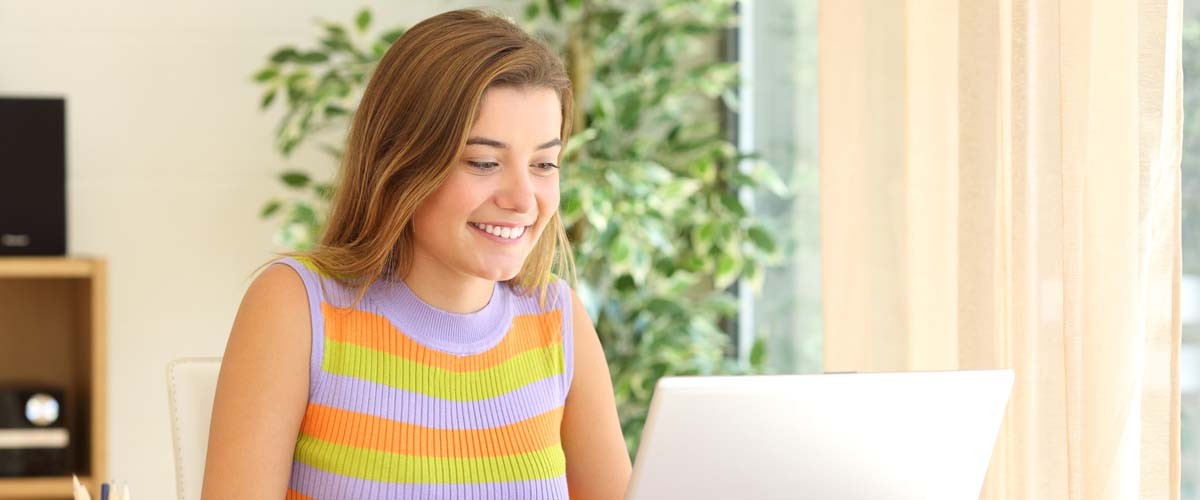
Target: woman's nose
[{"x": 516, "y": 192}]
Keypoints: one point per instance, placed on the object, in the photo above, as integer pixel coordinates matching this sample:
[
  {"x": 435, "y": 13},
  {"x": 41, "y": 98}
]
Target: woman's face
[{"x": 499, "y": 196}]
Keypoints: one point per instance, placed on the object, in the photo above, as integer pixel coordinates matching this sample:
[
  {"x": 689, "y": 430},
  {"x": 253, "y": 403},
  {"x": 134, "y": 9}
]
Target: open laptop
[{"x": 918, "y": 435}]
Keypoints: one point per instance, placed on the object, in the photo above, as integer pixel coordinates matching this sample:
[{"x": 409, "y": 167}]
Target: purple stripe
[
  {"x": 528, "y": 304},
  {"x": 456, "y": 333},
  {"x": 321, "y": 485},
  {"x": 568, "y": 336},
  {"x": 362, "y": 396}
]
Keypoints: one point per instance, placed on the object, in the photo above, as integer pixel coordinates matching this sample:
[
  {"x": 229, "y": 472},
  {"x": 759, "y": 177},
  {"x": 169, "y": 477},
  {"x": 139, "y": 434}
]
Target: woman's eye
[
  {"x": 488, "y": 166},
  {"x": 485, "y": 166}
]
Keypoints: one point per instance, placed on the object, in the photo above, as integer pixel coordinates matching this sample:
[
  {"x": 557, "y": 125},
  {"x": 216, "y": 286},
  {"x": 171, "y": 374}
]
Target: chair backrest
[{"x": 191, "y": 385}]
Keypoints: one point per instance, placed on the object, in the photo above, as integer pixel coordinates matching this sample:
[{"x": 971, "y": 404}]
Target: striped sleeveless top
[{"x": 408, "y": 401}]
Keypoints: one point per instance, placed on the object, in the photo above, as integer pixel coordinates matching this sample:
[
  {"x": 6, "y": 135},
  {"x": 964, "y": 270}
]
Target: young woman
[{"x": 424, "y": 349}]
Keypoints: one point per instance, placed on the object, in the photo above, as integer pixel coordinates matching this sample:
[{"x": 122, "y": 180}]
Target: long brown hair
[{"x": 411, "y": 127}]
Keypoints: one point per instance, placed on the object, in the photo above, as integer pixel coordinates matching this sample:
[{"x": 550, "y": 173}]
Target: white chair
[{"x": 191, "y": 385}]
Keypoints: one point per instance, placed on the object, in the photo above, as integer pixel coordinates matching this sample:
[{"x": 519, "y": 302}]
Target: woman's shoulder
[
  {"x": 303, "y": 267},
  {"x": 277, "y": 295},
  {"x": 321, "y": 286},
  {"x": 272, "y": 327}
]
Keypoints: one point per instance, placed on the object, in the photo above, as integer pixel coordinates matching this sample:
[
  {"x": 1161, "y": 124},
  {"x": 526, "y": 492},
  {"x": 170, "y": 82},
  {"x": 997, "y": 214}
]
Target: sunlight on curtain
[{"x": 1001, "y": 188}]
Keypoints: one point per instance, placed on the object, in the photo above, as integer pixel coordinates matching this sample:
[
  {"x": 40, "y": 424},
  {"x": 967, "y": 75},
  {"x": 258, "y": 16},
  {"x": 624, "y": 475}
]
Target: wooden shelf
[
  {"x": 53, "y": 313},
  {"x": 46, "y": 267},
  {"x": 38, "y": 487}
]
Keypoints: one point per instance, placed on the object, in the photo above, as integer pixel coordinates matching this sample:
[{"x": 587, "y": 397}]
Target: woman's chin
[{"x": 499, "y": 274}]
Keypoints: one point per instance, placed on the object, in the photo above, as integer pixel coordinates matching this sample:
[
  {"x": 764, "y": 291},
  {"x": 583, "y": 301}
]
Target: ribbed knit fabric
[{"x": 409, "y": 401}]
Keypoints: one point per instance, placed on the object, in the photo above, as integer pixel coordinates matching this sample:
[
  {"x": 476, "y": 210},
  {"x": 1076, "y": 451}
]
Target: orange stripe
[
  {"x": 374, "y": 331},
  {"x": 296, "y": 495},
  {"x": 376, "y": 433}
]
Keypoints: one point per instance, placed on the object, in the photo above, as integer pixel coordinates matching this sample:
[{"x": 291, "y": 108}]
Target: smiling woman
[
  {"x": 425, "y": 348},
  {"x": 482, "y": 222}
]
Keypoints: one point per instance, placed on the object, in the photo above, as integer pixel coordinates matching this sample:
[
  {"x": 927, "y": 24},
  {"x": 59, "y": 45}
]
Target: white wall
[{"x": 169, "y": 162}]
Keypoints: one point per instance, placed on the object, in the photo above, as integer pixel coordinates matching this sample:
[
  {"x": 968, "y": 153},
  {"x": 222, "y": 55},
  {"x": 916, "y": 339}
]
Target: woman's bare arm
[
  {"x": 262, "y": 391},
  {"x": 598, "y": 466}
]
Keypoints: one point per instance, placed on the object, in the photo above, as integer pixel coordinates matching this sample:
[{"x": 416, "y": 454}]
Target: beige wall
[{"x": 169, "y": 162}]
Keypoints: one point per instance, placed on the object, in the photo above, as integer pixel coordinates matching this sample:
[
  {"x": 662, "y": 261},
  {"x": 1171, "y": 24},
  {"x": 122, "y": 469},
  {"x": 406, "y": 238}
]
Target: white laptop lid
[{"x": 919, "y": 435}]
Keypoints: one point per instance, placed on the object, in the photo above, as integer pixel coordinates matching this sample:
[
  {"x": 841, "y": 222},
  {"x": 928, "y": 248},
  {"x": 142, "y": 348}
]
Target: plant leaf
[
  {"x": 766, "y": 177},
  {"x": 578, "y": 140},
  {"x": 332, "y": 110},
  {"x": 303, "y": 212},
  {"x": 731, "y": 203},
  {"x": 313, "y": 57},
  {"x": 761, "y": 238},
  {"x": 266, "y": 74},
  {"x": 270, "y": 208},
  {"x": 294, "y": 179},
  {"x": 283, "y": 55},
  {"x": 267, "y": 99},
  {"x": 726, "y": 271},
  {"x": 758, "y": 354},
  {"x": 363, "y": 20},
  {"x": 532, "y": 9},
  {"x": 392, "y": 35},
  {"x": 323, "y": 190}
]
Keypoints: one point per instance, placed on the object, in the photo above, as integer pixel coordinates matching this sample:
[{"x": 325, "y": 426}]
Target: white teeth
[{"x": 511, "y": 233}]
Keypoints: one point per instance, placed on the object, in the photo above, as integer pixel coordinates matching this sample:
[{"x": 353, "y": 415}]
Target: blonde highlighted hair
[{"x": 411, "y": 127}]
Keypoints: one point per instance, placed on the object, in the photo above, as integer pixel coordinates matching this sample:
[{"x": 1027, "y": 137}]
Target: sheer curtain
[{"x": 1000, "y": 188}]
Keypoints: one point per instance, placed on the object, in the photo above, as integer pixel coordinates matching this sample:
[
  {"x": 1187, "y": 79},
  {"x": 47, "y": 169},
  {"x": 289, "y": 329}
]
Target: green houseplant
[{"x": 650, "y": 180}]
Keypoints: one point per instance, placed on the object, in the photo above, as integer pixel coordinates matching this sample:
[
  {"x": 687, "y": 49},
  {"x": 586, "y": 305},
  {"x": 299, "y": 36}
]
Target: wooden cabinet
[{"x": 52, "y": 331}]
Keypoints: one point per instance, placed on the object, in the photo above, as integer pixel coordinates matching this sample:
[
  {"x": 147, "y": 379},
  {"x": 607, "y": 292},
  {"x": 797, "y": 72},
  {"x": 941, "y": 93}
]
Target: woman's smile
[{"x": 507, "y": 235}]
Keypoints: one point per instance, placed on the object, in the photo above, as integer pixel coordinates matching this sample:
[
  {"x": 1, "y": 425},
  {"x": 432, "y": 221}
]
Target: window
[
  {"x": 777, "y": 48},
  {"x": 1190, "y": 300}
]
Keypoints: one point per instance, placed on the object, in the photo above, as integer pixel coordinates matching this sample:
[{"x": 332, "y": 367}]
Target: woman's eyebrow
[{"x": 484, "y": 141}]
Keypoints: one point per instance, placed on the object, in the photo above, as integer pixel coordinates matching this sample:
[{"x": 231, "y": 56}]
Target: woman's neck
[{"x": 448, "y": 290}]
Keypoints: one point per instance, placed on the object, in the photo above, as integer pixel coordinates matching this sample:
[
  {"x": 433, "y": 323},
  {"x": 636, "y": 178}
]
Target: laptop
[{"x": 916, "y": 435}]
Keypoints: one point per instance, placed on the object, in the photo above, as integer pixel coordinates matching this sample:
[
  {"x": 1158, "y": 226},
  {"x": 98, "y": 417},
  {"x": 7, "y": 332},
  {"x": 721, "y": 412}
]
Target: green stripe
[
  {"x": 398, "y": 468},
  {"x": 353, "y": 360}
]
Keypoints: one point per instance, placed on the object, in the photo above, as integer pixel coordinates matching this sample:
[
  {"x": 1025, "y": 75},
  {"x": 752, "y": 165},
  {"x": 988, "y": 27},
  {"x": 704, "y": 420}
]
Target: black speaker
[
  {"x": 35, "y": 437},
  {"x": 33, "y": 176}
]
